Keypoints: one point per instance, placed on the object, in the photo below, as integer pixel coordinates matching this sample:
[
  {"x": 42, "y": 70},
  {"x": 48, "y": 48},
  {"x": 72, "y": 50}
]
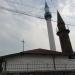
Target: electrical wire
[
  {"x": 15, "y": 11},
  {"x": 19, "y": 3},
  {"x": 24, "y": 13},
  {"x": 35, "y": 8}
]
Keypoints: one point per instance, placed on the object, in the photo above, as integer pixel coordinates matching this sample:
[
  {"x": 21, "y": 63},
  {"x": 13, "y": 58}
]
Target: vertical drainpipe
[
  {"x": 1, "y": 69},
  {"x": 54, "y": 62}
]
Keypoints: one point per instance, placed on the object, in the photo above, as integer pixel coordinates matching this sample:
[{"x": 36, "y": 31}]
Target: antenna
[{"x": 23, "y": 44}]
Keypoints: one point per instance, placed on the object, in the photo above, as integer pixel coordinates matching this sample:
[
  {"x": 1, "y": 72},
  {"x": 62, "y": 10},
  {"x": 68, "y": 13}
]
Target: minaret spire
[
  {"x": 47, "y": 12},
  {"x": 60, "y": 21},
  {"x": 46, "y": 5},
  {"x": 49, "y": 26}
]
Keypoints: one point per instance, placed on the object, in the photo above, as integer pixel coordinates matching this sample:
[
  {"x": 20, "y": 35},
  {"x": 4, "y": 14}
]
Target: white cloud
[
  {"x": 15, "y": 27},
  {"x": 67, "y": 8}
]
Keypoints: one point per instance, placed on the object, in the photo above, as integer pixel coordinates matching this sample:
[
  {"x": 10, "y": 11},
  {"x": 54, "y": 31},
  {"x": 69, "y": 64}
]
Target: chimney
[{"x": 63, "y": 36}]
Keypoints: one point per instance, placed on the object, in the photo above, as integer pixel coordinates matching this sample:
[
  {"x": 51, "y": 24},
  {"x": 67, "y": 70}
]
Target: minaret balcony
[
  {"x": 62, "y": 31},
  {"x": 47, "y": 16}
]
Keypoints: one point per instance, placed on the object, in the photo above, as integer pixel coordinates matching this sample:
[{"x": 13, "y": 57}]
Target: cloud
[
  {"x": 66, "y": 7},
  {"x": 16, "y": 27}
]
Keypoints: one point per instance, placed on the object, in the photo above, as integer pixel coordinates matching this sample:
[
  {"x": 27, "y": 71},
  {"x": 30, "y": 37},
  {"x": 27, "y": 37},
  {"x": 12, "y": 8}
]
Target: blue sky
[{"x": 17, "y": 27}]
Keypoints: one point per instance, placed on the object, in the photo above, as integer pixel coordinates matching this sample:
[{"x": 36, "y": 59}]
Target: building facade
[{"x": 38, "y": 60}]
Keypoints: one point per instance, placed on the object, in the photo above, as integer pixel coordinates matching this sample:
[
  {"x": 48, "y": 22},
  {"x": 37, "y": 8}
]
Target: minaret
[
  {"x": 63, "y": 36},
  {"x": 49, "y": 27}
]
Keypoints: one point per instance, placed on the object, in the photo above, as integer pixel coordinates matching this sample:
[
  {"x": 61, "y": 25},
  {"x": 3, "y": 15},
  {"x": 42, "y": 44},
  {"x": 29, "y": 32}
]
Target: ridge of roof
[{"x": 35, "y": 52}]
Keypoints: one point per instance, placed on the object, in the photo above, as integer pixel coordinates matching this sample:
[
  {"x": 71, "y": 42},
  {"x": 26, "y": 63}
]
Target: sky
[{"x": 32, "y": 28}]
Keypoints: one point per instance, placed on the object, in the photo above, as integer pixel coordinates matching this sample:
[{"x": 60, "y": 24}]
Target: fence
[{"x": 39, "y": 67}]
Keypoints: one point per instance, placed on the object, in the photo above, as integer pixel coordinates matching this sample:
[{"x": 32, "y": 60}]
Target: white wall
[
  {"x": 31, "y": 63},
  {"x": 65, "y": 63}
]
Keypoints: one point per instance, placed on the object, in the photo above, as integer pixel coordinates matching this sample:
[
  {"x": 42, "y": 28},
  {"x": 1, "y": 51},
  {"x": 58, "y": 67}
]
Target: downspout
[
  {"x": 1, "y": 68},
  {"x": 54, "y": 65}
]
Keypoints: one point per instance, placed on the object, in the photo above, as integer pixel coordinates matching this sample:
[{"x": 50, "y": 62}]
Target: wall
[
  {"x": 29, "y": 63},
  {"x": 63, "y": 63},
  {"x": 37, "y": 63}
]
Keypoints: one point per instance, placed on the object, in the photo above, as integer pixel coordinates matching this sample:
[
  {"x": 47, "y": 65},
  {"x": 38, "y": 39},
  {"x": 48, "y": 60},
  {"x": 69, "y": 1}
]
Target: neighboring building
[{"x": 37, "y": 60}]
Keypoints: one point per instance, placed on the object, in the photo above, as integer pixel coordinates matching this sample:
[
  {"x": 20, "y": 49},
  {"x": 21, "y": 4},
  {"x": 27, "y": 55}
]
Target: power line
[
  {"x": 61, "y": 11},
  {"x": 28, "y": 6},
  {"x": 35, "y": 8},
  {"x": 16, "y": 11},
  {"x": 66, "y": 16},
  {"x": 24, "y": 13},
  {"x": 65, "y": 24},
  {"x": 20, "y": 4}
]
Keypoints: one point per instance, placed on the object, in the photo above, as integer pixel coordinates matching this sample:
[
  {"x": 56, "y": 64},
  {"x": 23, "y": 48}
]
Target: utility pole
[{"x": 23, "y": 44}]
